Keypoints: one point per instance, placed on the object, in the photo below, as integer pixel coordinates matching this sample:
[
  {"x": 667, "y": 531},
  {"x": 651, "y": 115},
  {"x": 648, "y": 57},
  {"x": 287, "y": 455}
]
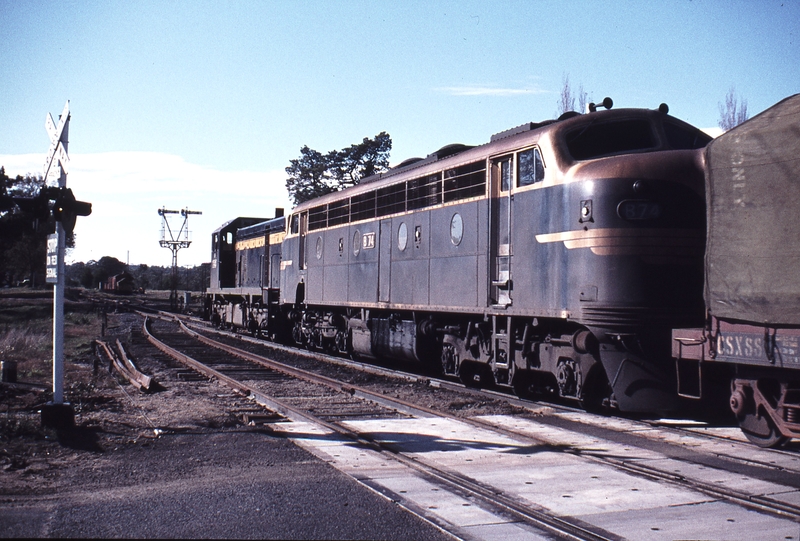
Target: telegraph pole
[{"x": 175, "y": 243}]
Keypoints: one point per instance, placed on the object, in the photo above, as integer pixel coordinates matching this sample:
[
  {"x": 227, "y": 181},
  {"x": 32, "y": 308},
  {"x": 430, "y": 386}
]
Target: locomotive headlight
[{"x": 641, "y": 187}]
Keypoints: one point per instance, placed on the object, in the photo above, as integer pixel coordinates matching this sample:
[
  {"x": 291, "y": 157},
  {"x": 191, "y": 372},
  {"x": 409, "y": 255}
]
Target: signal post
[{"x": 65, "y": 209}]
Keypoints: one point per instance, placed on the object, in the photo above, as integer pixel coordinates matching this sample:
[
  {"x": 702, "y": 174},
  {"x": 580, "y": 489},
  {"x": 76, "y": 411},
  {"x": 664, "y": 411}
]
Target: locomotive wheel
[
  {"x": 761, "y": 430},
  {"x": 596, "y": 393},
  {"x": 523, "y": 386}
]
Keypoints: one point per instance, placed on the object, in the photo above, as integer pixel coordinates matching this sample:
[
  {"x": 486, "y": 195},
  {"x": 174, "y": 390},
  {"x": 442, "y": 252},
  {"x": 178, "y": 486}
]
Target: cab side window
[{"x": 531, "y": 167}]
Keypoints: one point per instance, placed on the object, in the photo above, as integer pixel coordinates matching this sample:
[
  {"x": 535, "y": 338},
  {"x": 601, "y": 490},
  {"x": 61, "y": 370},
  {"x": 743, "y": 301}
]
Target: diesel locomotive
[{"x": 561, "y": 258}]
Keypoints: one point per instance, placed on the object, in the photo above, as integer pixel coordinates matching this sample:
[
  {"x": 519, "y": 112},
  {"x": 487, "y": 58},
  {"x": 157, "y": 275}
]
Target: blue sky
[{"x": 203, "y": 104}]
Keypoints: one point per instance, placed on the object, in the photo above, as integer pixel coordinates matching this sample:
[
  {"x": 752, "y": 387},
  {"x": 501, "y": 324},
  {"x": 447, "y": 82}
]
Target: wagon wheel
[
  {"x": 755, "y": 422},
  {"x": 761, "y": 430}
]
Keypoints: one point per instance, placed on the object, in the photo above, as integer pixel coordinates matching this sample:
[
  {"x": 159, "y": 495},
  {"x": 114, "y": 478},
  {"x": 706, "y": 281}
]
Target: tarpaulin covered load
[{"x": 753, "y": 206}]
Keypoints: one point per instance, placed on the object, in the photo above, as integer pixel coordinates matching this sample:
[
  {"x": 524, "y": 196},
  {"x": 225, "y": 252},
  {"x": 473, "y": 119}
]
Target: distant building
[{"x": 121, "y": 283}]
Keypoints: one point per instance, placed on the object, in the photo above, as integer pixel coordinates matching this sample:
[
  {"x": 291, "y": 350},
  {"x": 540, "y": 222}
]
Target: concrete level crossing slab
[
  {"x": 406, "y": 486},
  {"x": 729, "y": 441},
  {"x": 555, "y": 475},
  {"x": 709, "y": 521},
  {"x": 716, "y": 477}
]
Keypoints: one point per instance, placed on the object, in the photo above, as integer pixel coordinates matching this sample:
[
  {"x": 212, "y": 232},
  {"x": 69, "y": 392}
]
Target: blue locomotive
[{"x": 557, "y": 259}]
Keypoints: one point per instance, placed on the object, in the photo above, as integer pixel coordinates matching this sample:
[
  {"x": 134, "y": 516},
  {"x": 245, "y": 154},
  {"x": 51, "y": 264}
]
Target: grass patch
[
  {"x": 26, "y": 336},
  {"x": 21, "y": 313},
  {"x": 19, "y": 343}
]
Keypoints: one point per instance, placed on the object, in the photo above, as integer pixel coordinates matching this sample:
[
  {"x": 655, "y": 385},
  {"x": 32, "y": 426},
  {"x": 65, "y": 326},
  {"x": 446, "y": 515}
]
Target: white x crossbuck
[{"x": 56, "y": 164}]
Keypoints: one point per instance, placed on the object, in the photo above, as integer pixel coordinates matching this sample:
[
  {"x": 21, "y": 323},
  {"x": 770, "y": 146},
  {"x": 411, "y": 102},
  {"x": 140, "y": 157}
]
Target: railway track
[
  {"x": 328, "y": 404},
  {"x": 728, "y": 472}
]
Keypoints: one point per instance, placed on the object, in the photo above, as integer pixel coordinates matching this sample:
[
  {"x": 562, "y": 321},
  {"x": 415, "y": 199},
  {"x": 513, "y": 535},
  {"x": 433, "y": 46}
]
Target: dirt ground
[
  {"x": 178, "y": 462},
  {"x": 110, "y": 414}
]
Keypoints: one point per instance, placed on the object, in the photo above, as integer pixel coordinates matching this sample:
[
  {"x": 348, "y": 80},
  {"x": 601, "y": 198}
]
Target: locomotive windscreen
[
  {"x": 606, "y": 138},
  {"x": 753, "y": 206}
]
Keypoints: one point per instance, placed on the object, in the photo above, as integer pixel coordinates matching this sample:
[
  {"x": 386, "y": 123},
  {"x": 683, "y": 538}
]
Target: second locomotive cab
[{"x": 245, "y": 273}]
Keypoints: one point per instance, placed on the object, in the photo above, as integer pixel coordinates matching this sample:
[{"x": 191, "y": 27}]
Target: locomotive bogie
[
  {"x": 320, "y": 329},
  {"x": 766, "y": 404}
]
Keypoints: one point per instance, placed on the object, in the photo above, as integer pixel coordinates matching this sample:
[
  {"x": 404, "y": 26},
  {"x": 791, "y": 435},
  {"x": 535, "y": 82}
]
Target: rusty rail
[{"x": 125, "y": 366}]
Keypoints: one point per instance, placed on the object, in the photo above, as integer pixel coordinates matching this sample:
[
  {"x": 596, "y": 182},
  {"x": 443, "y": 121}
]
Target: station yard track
[{"x": 724, "y": 470}]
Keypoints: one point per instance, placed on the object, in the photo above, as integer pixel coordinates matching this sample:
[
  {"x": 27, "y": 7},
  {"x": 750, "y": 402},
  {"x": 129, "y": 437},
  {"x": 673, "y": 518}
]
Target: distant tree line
[
  {"x": 23, "y": 250},
  {"x": 94, "y": 273}
]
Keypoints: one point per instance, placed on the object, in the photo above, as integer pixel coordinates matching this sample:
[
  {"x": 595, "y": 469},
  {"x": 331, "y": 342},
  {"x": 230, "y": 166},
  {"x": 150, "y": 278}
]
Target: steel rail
[
  {"x": 527, "y": 404},
  {"x": 124, "y": 366},
  {"x": 751, "y": 501},
  {"x": 570, "y": 529},
  {"x": 336, "y": 385}
]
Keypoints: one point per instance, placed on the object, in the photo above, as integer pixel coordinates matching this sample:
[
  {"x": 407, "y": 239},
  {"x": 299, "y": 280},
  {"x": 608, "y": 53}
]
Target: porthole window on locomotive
[
  {"x": 456, "y": 229},
  {"x": 402, "y": 236},
  {"x": 319, "y": 247},
  {"x": 356, "y": 242},
  {"x": 531, "y": 167}
]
